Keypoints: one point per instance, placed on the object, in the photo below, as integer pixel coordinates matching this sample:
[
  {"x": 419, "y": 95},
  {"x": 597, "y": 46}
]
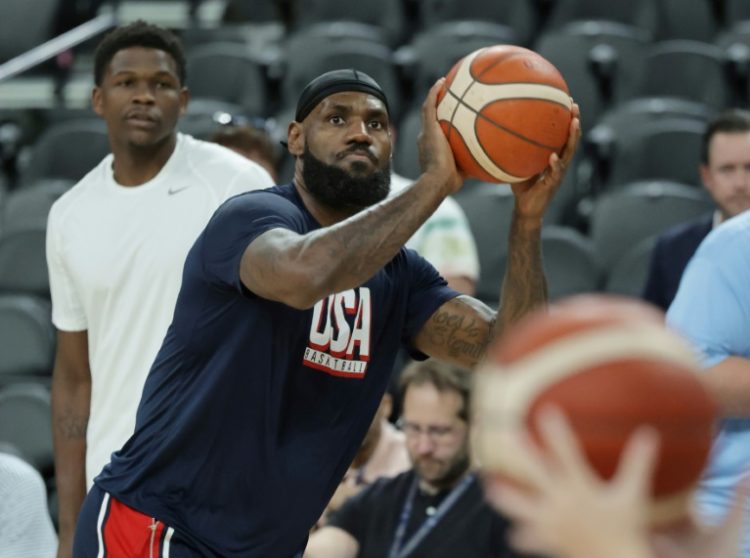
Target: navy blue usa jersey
[{"x": 253, "y": 410}]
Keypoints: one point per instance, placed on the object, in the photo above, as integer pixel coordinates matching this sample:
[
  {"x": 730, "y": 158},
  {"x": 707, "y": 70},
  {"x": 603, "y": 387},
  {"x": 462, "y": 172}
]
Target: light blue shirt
[{"x": 712, "y": 309}]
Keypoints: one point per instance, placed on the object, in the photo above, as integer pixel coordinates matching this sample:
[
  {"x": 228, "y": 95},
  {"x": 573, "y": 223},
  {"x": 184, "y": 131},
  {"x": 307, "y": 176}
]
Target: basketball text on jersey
[{"x": 340, "y": 334}]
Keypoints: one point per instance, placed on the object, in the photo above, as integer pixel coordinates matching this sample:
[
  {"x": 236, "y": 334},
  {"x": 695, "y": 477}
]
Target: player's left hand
[
  {"x": 534, "y": 195},
  {"x": 570, "y": 511},
  {"x": 698, "y": 540}
]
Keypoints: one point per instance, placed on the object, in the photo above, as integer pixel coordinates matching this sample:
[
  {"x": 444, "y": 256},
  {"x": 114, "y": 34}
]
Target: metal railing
[{"x": 57, "y": 45}]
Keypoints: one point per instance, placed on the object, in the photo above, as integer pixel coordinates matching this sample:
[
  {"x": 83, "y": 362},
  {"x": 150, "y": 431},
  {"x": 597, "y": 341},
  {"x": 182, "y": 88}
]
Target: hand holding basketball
[
  {"x": 534, "y": 195},
  {"x": 612, "y": 366},
  {"x": 610, "y": 518},
  {"x": 505, "y": 110},
  {"x": 435, "y": 155}
]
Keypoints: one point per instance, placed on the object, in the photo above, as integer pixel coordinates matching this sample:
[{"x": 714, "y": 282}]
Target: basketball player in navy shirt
[{"x": 294, "y": 301}]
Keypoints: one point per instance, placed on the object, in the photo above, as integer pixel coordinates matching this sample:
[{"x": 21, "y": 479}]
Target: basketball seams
[
  {"x": 525, "y": 378},
  {"x": 466, "y": 68},
  {"x": 466, "y": 92},
  {"x": 463, "y": 81},
  {"x": 503, "y": 394}
]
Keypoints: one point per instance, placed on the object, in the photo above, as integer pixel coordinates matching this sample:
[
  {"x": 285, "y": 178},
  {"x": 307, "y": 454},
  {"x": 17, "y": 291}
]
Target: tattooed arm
[
  {"x": 299, "y": 270},
  {"x": 71, "y": 400},
  {"x": 460, "y": 330}
]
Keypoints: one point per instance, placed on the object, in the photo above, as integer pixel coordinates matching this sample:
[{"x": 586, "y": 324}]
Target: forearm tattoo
[
  {"x": 72, "y": 426},
  {"x": 460, "y": 331}
]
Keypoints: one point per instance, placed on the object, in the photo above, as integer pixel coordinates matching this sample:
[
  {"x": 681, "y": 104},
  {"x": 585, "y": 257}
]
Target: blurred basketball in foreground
[
  {"x": 505, "y": 110},
  {"x": 611, "y": 365}
]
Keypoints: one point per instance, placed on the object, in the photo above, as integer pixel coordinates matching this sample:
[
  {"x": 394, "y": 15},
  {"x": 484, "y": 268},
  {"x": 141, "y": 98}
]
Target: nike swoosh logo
[{"x": 173, "y": 191}]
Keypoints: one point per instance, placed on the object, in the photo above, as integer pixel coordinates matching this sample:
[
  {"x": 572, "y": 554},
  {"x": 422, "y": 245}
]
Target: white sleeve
[
  {"x": 445, "y": 240},
  {"x": 67, "y": 310},
  {"x": 251, "y": 177}
]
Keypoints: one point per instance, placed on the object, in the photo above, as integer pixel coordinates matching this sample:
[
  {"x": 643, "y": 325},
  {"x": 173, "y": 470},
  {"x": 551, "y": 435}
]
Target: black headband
[{"x": 332, "y": 82}]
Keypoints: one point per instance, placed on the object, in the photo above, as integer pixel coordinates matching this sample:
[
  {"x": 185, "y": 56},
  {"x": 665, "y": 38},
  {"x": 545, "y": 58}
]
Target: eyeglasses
[{"x": 436, "y": 433}]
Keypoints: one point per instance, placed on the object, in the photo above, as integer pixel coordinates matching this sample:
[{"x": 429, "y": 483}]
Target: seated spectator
[
  {"x": 382, "y": 454},
  {"x": 435, "y": 509},
  {"x": 445, "y": 240},
  {"x": 253, "y": 143},
  {"x": 26, "y": 529},
  {"x": 725, "y": 171}
]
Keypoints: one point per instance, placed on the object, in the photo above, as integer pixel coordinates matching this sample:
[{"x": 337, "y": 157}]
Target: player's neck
[{"x": 135, "y": 165}]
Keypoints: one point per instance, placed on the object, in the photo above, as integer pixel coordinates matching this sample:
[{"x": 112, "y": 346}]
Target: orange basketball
[
  {"x": 505, "y": 110},
  {"x": 611, "y": 365}
]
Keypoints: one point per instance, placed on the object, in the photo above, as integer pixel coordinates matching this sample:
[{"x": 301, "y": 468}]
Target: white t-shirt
[
  {"x": 445, "y": 239},
  {"x": 115, "y": 256},
  {"x": 26, "y": 529}
]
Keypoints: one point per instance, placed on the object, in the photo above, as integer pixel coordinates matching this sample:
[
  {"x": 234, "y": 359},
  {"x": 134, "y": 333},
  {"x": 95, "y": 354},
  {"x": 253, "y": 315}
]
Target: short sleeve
[
  {"x": 353, "y": 513},
  {"x": 67, "y": 309},
  {"x": 235, "y": 225},
  {"x": 709, "y": 309},
  {"x": 428, "y": 291},
  {"x": 251, "y": 177},
  {"x": 446, "y": 241}
]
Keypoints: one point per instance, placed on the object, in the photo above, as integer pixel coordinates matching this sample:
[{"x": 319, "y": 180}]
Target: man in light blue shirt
[{"x": 712, "y": 309}]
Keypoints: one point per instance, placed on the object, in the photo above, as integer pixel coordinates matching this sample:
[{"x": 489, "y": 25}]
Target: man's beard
[
  {"x": 450, "y": 473},
  {"x": 338, "y": 189}
]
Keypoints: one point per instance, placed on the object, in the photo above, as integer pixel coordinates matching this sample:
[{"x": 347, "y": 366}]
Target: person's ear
[
  {"x": 184, "y": 100},
  {"x": 97, "y": 100},
  {"x": 296, "y": 138}
]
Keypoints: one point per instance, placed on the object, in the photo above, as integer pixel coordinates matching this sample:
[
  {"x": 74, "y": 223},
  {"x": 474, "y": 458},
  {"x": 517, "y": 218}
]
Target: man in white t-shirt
[{"x": 116, "y": 244}]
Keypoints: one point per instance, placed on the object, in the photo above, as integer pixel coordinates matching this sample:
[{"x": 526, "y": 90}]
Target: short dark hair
[
  {"x": 248, "y": 138},
  {"x": 444, "y": 376},
  {"x": 728, "y": 122},
  {"x": 138, "y": 34}
]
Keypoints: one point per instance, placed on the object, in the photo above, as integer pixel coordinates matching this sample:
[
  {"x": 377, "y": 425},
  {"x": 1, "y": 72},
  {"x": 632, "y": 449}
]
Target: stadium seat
[
  {"x": 638, "y": 13},
  {"x": 735, "y": 43},
  {"x": 257, "y": 11},
  {"x": 27, "y": 338},
  {"x": 635, "y": 113},
  {"x": 432, "y": 53},
  {"x": 629, "y": 273},
  {"x": 17, "y": 34},
  {"x": 406, "y": 152},
  {"x": 28, "y": 207},
  {"x": 684, "y": 69},
  {"x": 387, "y": 16},
  {"x": 597, "y": 59},
  {"x": 623, "y": 217},
  {"x": 68, "y": 150},
  {"x": 520, "y": 15},
  {"x": 736, "y": 10},
  {"x": 570, "y": 262},
  {"x": 23, "y": 263},
  {"x": 26, "y": 423},
  {"x": 225, "y": 73},
  {"x": 686, "y": 20},
  {"x": 488, "y": 208},
  {"x": 313, "y": 52},
  {"x": 625, "y": 151}
]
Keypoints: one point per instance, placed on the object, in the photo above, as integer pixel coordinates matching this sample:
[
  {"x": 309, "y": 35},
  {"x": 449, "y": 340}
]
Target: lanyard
[{"x": 397, "y": 551}]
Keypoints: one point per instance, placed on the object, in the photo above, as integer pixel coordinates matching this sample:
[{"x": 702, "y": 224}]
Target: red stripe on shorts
[{"x": 131, "y": 534}]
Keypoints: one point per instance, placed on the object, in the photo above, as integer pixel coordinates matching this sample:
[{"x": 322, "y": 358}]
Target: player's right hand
[{"x": 435, "y": 155}]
